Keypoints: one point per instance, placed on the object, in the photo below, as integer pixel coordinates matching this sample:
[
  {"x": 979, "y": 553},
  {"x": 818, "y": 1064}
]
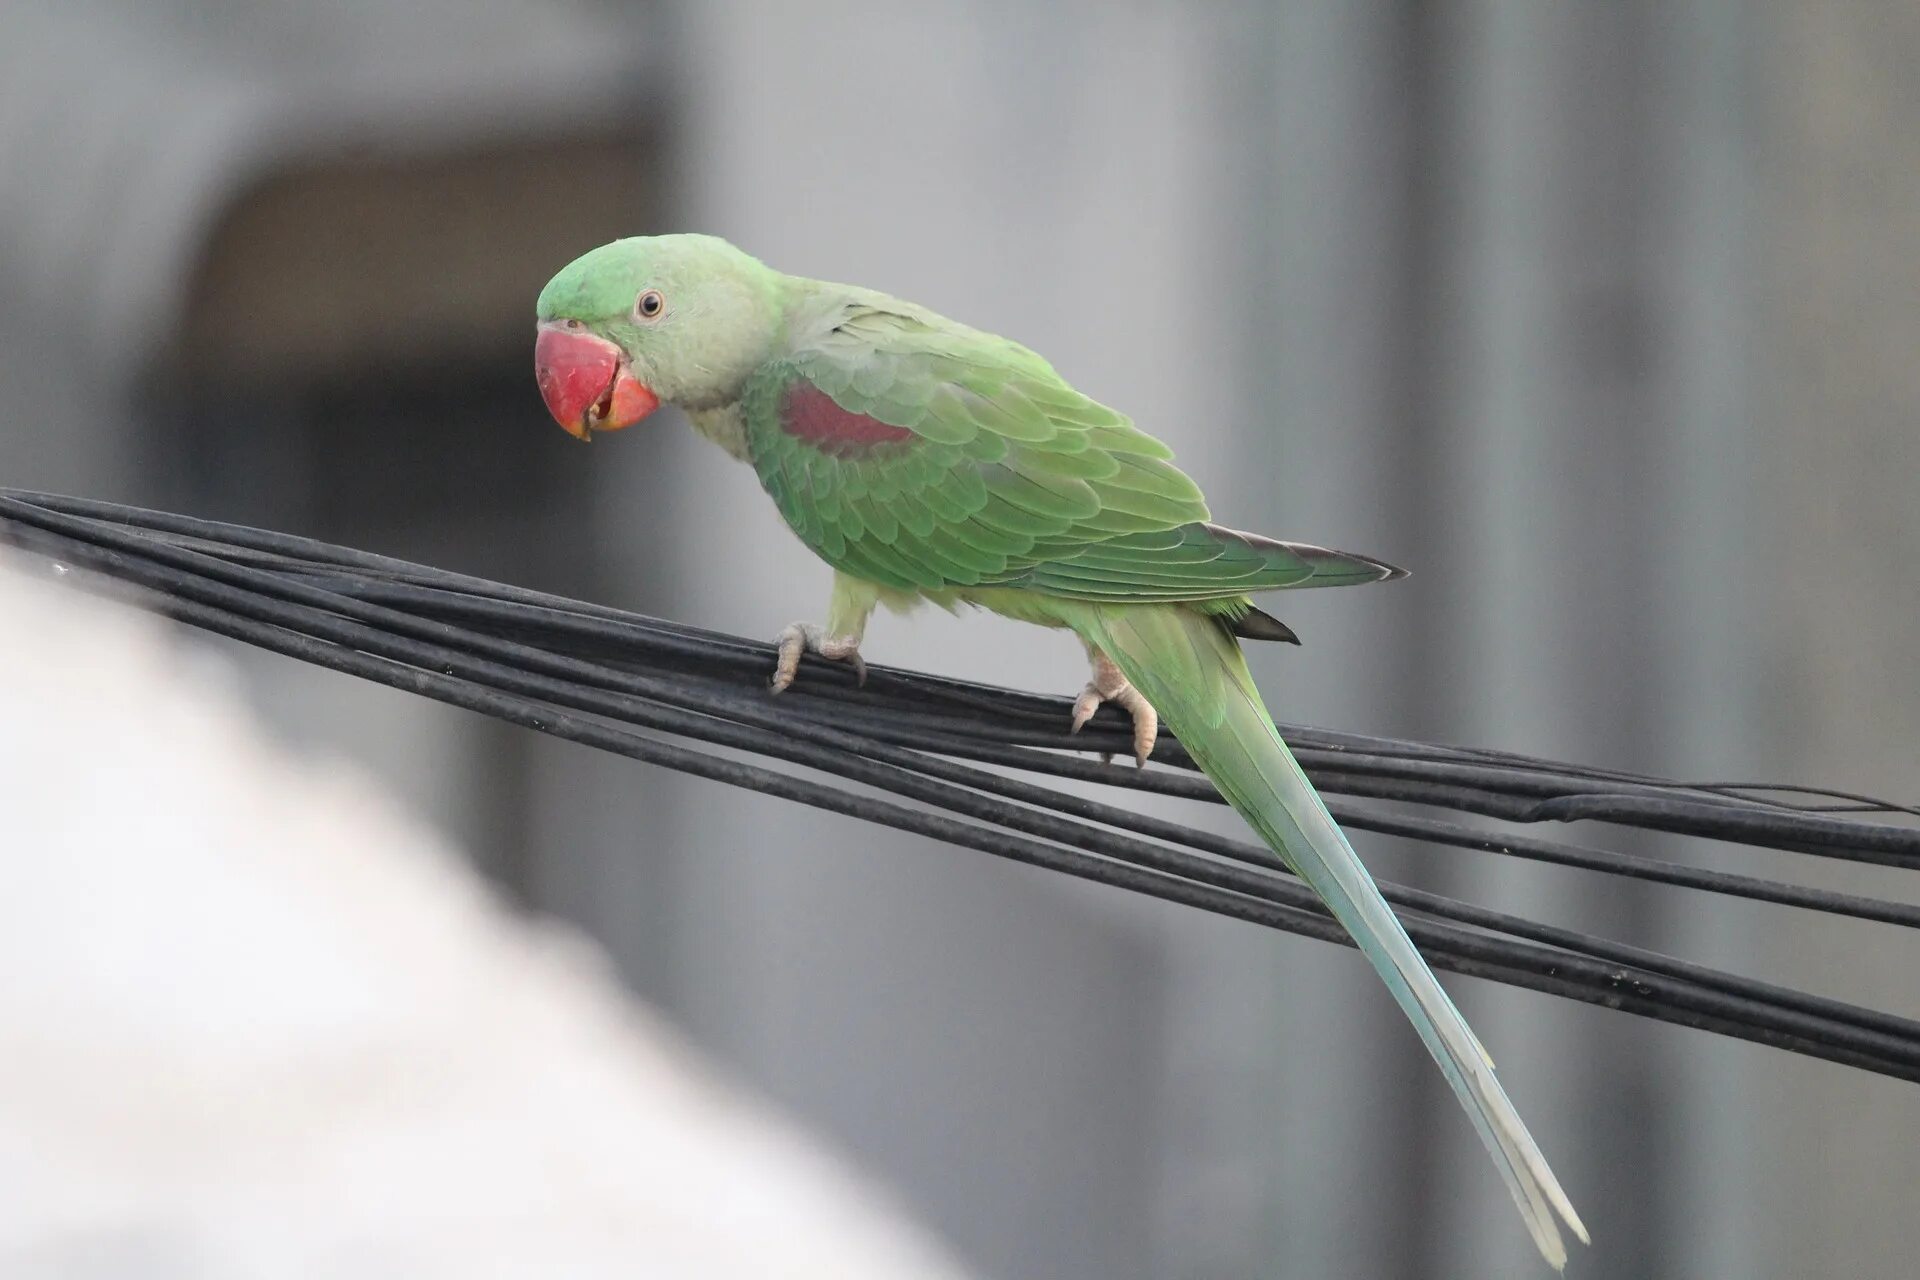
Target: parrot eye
[{"x": 650, "y": 306}]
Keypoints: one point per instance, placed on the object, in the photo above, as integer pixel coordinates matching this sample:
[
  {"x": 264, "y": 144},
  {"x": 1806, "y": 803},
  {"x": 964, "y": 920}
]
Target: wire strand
[{"x": 618, "y": 681}]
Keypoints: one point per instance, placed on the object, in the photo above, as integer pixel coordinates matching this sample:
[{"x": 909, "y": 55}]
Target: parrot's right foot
[
  {"x": 1109, "y": 685},
  {"x": 805, "y": 637}
]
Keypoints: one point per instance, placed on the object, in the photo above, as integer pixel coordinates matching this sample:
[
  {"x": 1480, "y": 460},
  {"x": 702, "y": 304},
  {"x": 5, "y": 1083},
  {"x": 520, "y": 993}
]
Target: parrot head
[{"x": 632, "y": 325}]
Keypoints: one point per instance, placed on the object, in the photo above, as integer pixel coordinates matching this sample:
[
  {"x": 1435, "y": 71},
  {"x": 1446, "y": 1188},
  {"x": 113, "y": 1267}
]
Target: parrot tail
[{"x": 1189, "y": 667}]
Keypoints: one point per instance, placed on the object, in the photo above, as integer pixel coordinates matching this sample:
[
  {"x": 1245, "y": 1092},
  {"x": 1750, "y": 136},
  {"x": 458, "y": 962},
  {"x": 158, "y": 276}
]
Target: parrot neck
[{"x": 725, "y": 425}]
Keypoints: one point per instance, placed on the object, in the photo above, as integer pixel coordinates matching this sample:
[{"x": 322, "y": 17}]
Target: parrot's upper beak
[{"x": 586, "y": 382}]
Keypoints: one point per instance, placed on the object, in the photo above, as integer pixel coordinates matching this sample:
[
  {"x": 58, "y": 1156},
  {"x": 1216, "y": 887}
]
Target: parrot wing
[{"x": 914, "y": 452}]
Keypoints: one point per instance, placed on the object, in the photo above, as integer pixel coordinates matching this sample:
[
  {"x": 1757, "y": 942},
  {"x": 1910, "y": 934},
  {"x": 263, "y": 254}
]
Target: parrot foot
[
  {"x": 805, "y": 637},
  {"x": 1107, "y": 684}
]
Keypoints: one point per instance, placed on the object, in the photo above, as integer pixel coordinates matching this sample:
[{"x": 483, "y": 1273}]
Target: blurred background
[{"x": 1603, "y": 319}]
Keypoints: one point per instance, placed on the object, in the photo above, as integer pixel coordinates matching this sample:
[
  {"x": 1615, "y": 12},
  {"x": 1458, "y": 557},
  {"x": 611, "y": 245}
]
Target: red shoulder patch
[{"x": 810, "y": 414}]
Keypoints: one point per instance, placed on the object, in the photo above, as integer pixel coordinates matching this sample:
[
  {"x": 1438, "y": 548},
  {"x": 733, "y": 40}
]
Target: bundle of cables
[{"x": 959, "y": 761}]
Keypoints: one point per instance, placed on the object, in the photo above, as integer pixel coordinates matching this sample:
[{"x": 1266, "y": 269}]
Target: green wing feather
[{"x": 1001, "y": 474}]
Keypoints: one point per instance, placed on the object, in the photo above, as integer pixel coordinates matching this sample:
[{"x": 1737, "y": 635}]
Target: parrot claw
[
  {"x": 1109, "y": 685},
  {"x": 805, "y": 637}
]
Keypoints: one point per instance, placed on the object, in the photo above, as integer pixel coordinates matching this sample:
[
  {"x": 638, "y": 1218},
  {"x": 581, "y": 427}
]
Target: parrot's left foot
[
  {"x": 1107, "y": 684},
  {"x": 805, "y": 637}
]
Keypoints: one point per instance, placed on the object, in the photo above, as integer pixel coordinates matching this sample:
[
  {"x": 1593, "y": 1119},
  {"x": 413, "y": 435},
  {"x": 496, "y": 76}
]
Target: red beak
[{"x": 586, "y": 382}]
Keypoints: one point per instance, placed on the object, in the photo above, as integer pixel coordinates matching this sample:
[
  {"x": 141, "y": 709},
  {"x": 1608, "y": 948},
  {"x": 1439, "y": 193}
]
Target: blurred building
[{"x": 1600, "y": 318}]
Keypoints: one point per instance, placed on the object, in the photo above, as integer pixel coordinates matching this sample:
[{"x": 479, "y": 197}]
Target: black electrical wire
[{"x": 596, "y": 675}]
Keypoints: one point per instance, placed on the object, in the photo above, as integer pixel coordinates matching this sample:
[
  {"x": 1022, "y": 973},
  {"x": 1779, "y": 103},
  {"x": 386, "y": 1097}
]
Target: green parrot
[{"x": 925, "y": 460}]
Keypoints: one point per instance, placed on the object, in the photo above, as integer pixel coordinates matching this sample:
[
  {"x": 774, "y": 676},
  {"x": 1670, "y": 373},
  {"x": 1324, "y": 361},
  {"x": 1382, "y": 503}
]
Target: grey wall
[{"x": 1838, "y": 240}]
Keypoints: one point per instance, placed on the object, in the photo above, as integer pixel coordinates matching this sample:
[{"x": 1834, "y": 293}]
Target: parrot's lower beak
[{"x": 586, "y": 382}]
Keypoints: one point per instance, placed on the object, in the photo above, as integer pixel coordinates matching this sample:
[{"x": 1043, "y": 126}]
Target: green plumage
[
  {"x": 1010, "y": 478},
  {"x": 925, "y": 459}
]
